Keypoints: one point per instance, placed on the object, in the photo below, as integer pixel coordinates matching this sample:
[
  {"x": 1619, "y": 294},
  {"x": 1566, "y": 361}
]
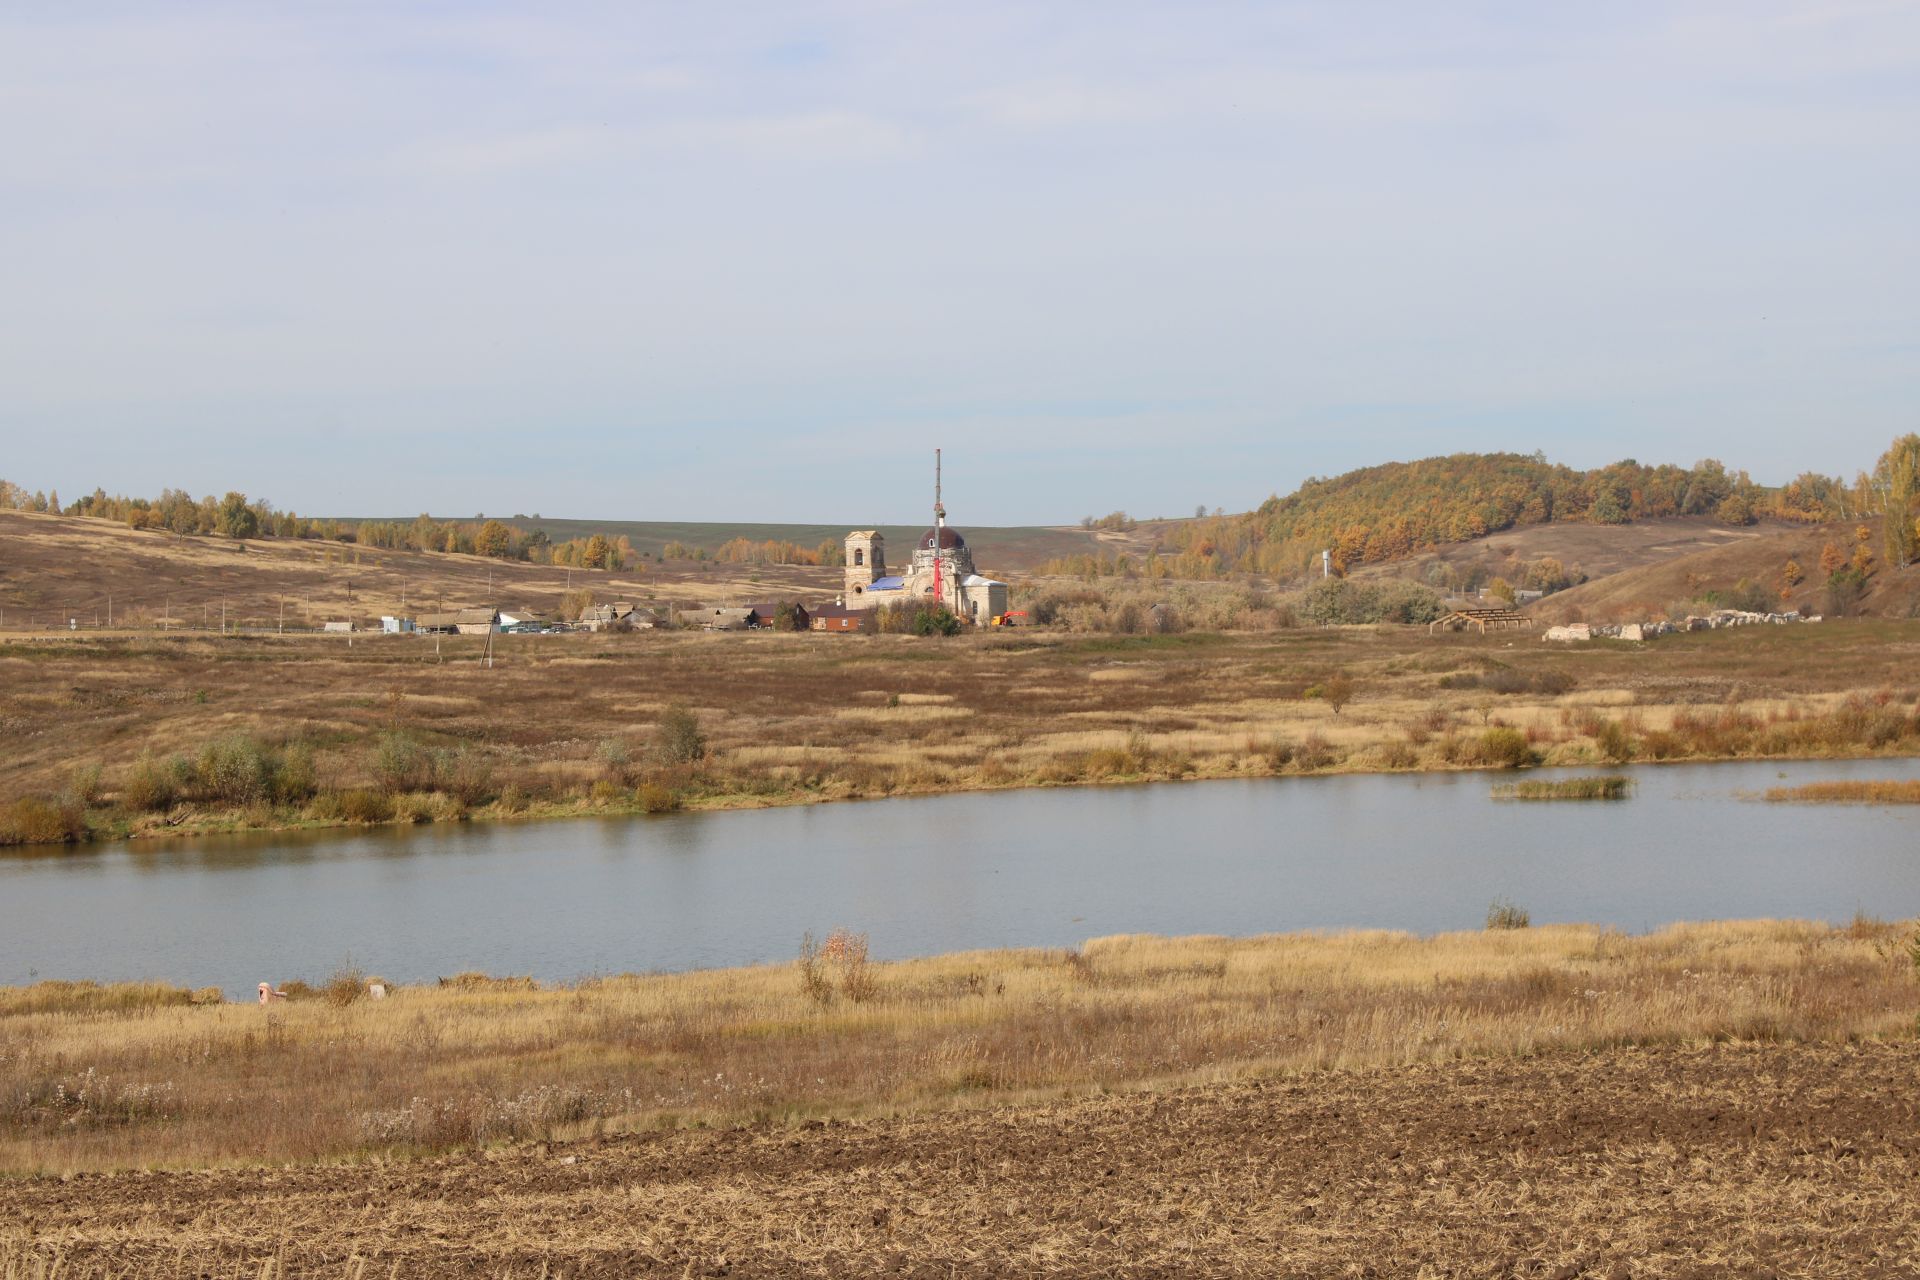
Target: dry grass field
[
  {"x": 1707, "y": 1100},
  {"x": 143, "y": 731},
  {"x": 54, "y": 569}
]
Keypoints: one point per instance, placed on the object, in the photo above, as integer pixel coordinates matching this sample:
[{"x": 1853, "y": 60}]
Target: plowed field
[{"x": 1767, "y": 1160}]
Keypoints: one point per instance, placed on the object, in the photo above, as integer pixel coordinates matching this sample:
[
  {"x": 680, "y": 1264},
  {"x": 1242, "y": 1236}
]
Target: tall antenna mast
[{"x": 939, "y": 531}]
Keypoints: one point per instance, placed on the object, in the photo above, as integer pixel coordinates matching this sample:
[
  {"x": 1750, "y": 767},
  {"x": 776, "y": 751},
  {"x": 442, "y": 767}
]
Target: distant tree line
[
  {"x": 499, "y": 541},
  {"x": 237, "y": 516}
]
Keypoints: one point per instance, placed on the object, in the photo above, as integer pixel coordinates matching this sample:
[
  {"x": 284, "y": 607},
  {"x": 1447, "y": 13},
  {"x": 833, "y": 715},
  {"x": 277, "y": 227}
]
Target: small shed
[{"x": 392, "y": 626}]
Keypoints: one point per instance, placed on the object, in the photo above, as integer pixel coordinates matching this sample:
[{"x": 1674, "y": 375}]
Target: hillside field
[{"x": 55, "y": 568}]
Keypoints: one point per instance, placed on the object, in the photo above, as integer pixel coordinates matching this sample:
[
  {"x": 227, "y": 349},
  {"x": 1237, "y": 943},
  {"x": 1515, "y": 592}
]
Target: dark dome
[{"x": 949, "y": 539}]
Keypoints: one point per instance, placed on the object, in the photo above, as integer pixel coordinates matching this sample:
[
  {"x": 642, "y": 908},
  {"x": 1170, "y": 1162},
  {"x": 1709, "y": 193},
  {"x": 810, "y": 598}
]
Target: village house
[
  {"x": 617, "y": 616},
  {"x": 515, "y": 621},
  {"x": 715, "y": 618},
  {"x": 464, "y": 622},
  {"x": 767, "y": 611},
  {"x": 835, "y": 617}
]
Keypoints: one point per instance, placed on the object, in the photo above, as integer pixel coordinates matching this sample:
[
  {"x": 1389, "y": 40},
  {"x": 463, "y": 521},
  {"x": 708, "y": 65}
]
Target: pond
[{"x": 563, "y": 900}]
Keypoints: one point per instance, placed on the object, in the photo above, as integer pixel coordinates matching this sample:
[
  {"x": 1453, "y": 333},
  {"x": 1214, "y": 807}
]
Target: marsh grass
[
  {"x": 1613, "y": 788},
  {"x": 479, "y": 1060},
  {"x": 1901, "y": 791}
]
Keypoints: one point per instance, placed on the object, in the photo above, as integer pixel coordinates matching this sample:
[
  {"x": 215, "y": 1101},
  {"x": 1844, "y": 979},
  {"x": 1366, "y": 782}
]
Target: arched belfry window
[{"x": 859, "y": 555}]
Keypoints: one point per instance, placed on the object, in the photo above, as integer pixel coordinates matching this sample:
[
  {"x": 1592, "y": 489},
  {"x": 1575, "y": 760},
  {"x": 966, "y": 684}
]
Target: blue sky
[{"x": 754, "y": 261}]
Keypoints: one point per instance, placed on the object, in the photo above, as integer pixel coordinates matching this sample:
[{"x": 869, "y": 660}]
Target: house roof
[
  {"x": 975, "y": 580},
  {"x": 893, "y": 582},
  {"x": 834, "y": 611},
  {"x": 458, "y": 618}
]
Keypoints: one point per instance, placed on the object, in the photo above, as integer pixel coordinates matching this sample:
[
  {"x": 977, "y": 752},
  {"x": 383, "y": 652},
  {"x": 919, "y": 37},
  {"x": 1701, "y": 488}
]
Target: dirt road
[{"x": 1728, "y": 1161}]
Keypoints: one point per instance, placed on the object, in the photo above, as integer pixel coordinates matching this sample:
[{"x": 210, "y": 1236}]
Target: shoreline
[
  {"x": 147, "y": 742},
  {"x": 222, "y": 824}
]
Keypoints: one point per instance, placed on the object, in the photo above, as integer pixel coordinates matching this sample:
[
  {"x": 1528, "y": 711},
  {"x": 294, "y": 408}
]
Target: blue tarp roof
[{"x": 893, "y": 583}]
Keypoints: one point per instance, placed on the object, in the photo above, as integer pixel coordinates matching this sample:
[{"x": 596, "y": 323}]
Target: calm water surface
[{"x": 563, "y": 900}]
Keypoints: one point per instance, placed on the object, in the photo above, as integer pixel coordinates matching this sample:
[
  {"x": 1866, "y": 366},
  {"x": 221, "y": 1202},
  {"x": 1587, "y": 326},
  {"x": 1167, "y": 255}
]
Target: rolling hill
[{"x": 1665, "y": 582}]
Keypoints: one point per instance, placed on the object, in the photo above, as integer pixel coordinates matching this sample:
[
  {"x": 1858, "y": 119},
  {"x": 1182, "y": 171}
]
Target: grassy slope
[
  {"x": 1647, "y": 589},
  {"x": 53, "y": 568}
]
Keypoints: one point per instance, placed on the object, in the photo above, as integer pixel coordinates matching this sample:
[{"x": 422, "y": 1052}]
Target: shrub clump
[
  {"x": 1614, "y": 788},
  {"x": 33, "y": 820},
  {"x": 842, "y": 961},
  {"x": 1502, "y": 914},
  {"x": 654, "y": 798},
  {"x": 239, "y": 770},
  {"x": 401, "y": 764},
  {"x": 154, "y": 785},
  {"x": 1506, "y": 749},
  {"x": 1506, "y": 680},
  {"x": 234, "y": 770},
  {"x": 1343, "y": 602},
  {"x": 346, "y": 985},
  {"x": 678, "y": 738},
  {"x": 364, "y": 805}
]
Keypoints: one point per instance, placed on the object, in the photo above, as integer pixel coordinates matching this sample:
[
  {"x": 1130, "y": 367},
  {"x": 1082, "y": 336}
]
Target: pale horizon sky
[{"x": 754, "y": 261}]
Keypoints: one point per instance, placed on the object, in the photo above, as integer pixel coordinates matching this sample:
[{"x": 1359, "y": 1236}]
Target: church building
[{"x": 941, "y": 572}]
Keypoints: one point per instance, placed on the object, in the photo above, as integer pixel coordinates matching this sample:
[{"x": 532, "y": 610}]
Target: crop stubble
[{"x": 1743, "y": 1160}]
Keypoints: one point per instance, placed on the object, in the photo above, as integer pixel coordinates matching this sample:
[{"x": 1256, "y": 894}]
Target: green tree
[
  {"x": 233, "y": 518},
  {"x": 935, "y": 620},
  {"x": 1846, "y": 588}
]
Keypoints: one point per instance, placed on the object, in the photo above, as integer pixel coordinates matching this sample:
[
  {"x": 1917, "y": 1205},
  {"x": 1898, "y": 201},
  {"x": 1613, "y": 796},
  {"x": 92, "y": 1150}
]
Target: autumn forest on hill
[{"x": 1380, "y": 514}]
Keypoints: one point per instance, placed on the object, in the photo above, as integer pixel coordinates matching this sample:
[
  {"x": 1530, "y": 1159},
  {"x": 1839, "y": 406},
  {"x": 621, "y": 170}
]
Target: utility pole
[
  {"x": 109, "y": 610},
  {"x": 223, "y": 615},
  {"x": 283, "y": 615}
]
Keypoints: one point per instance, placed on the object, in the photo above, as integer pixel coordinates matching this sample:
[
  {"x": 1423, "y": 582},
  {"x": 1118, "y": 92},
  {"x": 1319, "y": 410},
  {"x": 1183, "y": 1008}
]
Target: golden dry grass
[
  {"x": 90, "y": 1081},
  {"x": 1903, "y": 791}
]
